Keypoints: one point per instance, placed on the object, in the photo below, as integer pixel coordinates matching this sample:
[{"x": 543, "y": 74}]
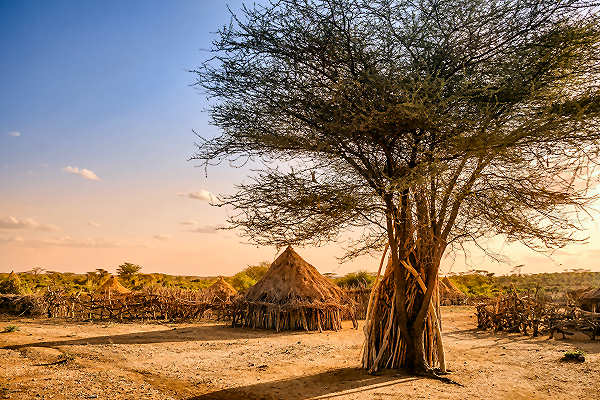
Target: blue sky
[
  {"x": 82, "y": 79},
  {"x": 104, "y": 87}
]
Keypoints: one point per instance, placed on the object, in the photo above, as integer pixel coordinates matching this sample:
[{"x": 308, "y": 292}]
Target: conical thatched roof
[
  {"x": 291, "y": 279},
  {"x": 591, "y": 295},
  {"x": 293, "y": 295},
  {"x": 221, "y": 290},
  {"x": 451, "y": 287},
  {"x": 12, "y": 285},
  {"x": 14, "y": 277},
  {"x": 577, "y": 294},
  {"x": 112, "y": 287}
]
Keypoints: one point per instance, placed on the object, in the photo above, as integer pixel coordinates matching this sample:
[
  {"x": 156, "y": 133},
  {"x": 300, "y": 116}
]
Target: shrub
[
  {"x": 574, "y": 356},
  {"x": 11, "y": 328},
  {"x": 356, "y": 280}
]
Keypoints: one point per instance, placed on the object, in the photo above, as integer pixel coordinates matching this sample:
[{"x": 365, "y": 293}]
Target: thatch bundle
[
  {"x": 221, "y": 290},
  {"x": 292, "y": 295},
  {"x": 112, "y": 287},
  {"x": 12, "y": 285},
  {"x": 450, "y": 294}
]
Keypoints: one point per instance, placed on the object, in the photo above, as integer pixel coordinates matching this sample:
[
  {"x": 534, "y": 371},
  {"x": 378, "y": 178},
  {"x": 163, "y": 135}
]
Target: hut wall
[{"x": 259, "y": 316}]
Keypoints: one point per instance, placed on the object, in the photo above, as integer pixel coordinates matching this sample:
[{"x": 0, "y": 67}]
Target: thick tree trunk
[{"x": 397, "y": 335}]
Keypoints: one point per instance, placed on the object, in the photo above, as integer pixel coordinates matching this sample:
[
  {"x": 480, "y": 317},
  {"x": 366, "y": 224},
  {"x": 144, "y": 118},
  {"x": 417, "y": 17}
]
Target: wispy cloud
[
  {"x": 203, "y": 195},
  {"x": 85, "y": 173},
  {"x": 94, "y": 224},
  {"x": 14, "y": 133},
  {"x": 11, "y": 222},
  {"x": 206, "y": 229},
  {"x": 190, "y": 222},
  {"x": 162, "y": 237},
  {"x": 65, "y": 241}
]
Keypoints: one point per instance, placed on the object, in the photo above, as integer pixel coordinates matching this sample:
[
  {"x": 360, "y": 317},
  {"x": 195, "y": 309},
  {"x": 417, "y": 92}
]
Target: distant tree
[
  {"x": 102, "y": 272},
  {"x": 517, "y": 269},
  {"x": 248, "y": 277},
  {"x": 128, "y": 270},
  {"x": 36, "y": 270},
  {"x": 242, "y": 282},
  {"x": 360, "y": 279},
  {"x": 425, "y": 124}
]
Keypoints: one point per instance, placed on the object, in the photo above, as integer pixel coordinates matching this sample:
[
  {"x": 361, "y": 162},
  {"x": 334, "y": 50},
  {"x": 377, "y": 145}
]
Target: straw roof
[
  {"x": 112, "y": 287},
  {"x": 291, "y": 279},
  {"x": 449, "y": 289},
  {"x": 12, "y": 285},
  {"x": 14, "y": 278},
  {"x": 221, "y": 290},
  {"x": 592, "y": 295}
]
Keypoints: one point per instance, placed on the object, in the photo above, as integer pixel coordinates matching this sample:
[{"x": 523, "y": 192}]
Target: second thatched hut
[
  {"x": 292, "y": 295},
  {"x": 221, "y": 290},
  {"x": 112, "y": 287},
  {"x": 450, "y": 294}
]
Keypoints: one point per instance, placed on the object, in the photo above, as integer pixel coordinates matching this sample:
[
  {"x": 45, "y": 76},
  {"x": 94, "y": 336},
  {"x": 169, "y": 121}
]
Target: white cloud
[
  {"x": 14, "y": 133},
  {"x": 85, "y": 173},
  {"x": 94, "y": 224},
  {"x": 14, "y": 239},
  {"x": 204, "y": 195},
  {"x": 206, "y": 229},
  {"x": 65, "y": 241},
  {"x": 162, "y": 237},
  {"x": 11, "y": 222}
]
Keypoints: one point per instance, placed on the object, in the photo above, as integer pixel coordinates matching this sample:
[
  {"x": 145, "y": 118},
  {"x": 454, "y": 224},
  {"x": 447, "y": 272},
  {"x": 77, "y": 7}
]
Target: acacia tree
[{"x": 422, "y": 124}]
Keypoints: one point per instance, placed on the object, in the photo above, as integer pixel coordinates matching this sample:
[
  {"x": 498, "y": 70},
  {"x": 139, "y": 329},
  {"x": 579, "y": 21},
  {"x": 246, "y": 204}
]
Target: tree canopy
[{"x": 422, "y": 124}]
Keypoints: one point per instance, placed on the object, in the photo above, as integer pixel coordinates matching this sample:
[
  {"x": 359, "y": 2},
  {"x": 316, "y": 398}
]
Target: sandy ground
[{"x": 212, "y": 361}]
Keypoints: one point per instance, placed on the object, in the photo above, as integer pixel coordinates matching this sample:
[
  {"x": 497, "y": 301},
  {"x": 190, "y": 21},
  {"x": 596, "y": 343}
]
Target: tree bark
[{"x": 397, "y": 334}]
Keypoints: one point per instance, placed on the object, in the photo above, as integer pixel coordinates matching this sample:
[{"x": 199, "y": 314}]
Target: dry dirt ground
[{"x": 49, "y": 359}]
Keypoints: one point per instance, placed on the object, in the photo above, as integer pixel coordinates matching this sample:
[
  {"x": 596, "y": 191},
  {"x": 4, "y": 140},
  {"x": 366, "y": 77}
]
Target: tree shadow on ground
[
  {"x": 171, "y": 335},
  {"x": 333, "y": 384},
  {"x": 502, "y": 338}
]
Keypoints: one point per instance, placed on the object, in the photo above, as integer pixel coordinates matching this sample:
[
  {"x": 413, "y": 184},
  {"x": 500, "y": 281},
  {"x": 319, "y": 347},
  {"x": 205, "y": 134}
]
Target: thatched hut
[
  {"x": 450, "y": 294},
  {"x": 112, "y": 287},
  {"x": 12, "y": 285},
  {"x": 221, "y": 290},
  {"x": 292, "y": 295},
  {"x": 590, "y": 300}
]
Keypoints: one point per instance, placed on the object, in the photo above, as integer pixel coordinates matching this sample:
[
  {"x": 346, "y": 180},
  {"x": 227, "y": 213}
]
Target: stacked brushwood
[
  {"x": 531, "y": 312},
  {"x": 360, "y": 296},
  {"x": 21, "y": 305},
  {"x": 151, "y": 304}
]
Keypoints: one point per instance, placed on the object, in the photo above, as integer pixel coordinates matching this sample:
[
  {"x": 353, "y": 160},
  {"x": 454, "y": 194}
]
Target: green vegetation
[
  {"x": 358, "y": 279},
  {"x": 10, "y": 328},
  {"x": 574, "y": 356},
  {"x": 249, "y": 276},
  {"x": 474, "y": 284},
  {"x": 483, "y": 283},
  {"x": 37, "y": 281}
]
